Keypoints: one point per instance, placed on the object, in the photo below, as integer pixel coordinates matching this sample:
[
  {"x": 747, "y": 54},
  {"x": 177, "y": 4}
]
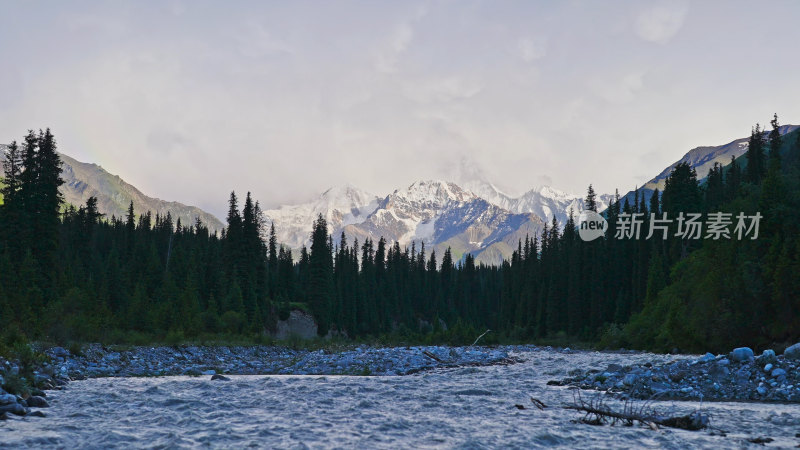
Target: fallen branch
[
  {"x": 432, "y": 356},
  {"x": 598, "y": 413},
  {"x": 479, "y": 338},
  {"x": 538, "y": 403}
]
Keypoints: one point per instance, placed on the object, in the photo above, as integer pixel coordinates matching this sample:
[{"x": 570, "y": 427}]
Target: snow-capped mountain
[
  {"x": 442, "y": 214},
  {"x": 340, "y": 206},
  {"x": 544, "y": 201}
]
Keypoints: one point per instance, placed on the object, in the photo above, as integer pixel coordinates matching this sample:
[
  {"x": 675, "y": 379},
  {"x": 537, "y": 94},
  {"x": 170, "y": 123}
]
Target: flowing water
[{"x": 455, "y": 408}]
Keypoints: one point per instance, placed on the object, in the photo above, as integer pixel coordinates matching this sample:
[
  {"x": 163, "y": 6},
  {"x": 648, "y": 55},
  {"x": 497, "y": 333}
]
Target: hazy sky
[{"x": 188, "y": 100}]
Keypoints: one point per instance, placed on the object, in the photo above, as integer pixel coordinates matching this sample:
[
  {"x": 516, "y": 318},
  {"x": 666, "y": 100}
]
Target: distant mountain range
[
  {"x": 84, "y": 180},
  {"x": 476, "y": 218}
]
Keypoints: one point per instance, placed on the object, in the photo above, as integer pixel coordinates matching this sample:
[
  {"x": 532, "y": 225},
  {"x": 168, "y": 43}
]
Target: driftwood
[
  {"x": 538, "y": 403},
  {"x": 432, "y": 356},
  {"x": 598, "y": 413},
  {"x": 479, "y": 338}
]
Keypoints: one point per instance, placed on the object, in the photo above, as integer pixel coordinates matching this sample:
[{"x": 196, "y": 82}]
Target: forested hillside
[{"x": 78, "y": 275}]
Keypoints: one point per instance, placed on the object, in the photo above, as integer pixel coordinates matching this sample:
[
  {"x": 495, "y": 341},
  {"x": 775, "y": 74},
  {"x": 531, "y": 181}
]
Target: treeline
[
  {"x": 72, "y": 274},
  {"x": 69, "y": 273}
]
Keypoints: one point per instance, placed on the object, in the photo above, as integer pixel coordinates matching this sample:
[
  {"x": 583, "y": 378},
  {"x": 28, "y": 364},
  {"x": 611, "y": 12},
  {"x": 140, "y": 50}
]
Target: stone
[
  {"x": 59, "y": 352},
  {"x": 37, "y": 414},
  {"x": 778, "y": 372},
  {"x": 14, "y": 408},
  {"x": 37, "y": 402},
  {"x": 614, "y": 368},
  {"x": 677, "y": 376},
  {"x": 298, "y": 324},
  {"x": 768, "y": 367},
  {"x": 7, "y": 399},
  {"x": 723, "y": 362},
  {"x": 767, "y": 356},
  {"x": 708, "y": 357},
  {"x": 219, "y": 377},
  {"x": 742, "y": 354},
  {"x": 761, "y": 390},
  {"x": 629, "y": 380},
  {"x": 792, "y": 352}
]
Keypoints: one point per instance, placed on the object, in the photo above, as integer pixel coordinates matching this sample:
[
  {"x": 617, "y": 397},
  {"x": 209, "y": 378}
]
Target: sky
[{"x": 190, "y": 100}]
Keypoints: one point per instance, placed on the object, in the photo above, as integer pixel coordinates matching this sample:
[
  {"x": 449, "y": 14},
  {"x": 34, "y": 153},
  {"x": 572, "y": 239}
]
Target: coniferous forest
[{"x": 68, "y": 273}]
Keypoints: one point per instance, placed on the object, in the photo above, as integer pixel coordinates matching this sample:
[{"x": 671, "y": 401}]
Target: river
[{"x": 470, "y": 407}]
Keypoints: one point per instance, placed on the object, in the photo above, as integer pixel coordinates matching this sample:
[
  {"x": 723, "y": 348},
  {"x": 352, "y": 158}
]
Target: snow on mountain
[
  {"x": 476, "y": 218},
  {"x": 411, "y": 213},
  {"x": 340, "y": 206},
  {"x": 544, "y": 201},
  {"x": 441, "y": 214}
]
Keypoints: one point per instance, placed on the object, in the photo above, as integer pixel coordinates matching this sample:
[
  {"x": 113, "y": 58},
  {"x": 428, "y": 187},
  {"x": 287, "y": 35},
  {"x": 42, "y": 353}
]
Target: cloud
[
  {"x": 660, "y": 23},
  {"x": 387, "y": 58},
  {"x": 531, "y": 49},
  {"x": 443, "y": 90},
  {"x": 257, "y": 41},
  {"x": 620, "y": 90}
]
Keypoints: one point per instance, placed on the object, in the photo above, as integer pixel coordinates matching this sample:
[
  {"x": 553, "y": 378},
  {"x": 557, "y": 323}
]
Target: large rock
[
  {"x": 742, "y": 354},
  {"x": 299, "y": 324},
  {"x": 14, "y": 408},
  {"x": 767, "y": 357},
  {"x": 37, "y": 402},
  {"x": 6, "y": 399},
  {"x": 792, "y": 352}
]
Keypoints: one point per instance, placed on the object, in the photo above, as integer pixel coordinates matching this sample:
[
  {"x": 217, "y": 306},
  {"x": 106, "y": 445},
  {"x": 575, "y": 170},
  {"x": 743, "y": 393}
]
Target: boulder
[
  {"x": 7, "y": 399},
  {"x": 14, "y": 408},
  {"x": 37, "y": 402},
  {"x": 219, "y": 377},
  {"x": 767, "y": 357},
  {"x": 792, "y": 352},
  {"x": 742, "y": 354},
  {"x": 298, "y": 324}
]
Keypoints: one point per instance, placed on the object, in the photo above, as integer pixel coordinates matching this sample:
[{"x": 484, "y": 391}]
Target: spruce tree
[{"x": 591, "y": 202}]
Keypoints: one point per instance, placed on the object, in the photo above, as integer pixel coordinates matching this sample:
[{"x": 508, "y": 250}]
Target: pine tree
[
  {"x": 320, "y": 268},
  {"x": 755, "y": 156},
  {"x": 775, "y": 143},
  {"x": 591, "y": 203}
]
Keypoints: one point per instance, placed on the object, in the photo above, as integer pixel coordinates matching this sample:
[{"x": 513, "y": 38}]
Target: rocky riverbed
[
  {"x": 95, "y": 361},
  {"x": 737, "y": 376}
]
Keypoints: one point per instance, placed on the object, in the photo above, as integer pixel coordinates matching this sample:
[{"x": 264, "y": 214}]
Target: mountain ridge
[{"x": 83, "y": 180}]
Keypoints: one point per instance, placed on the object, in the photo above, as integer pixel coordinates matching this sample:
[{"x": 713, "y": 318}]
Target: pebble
[{"x": 778, "y": 372}]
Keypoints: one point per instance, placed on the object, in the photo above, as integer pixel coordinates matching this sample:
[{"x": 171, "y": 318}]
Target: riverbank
[
  {"x": 59, "y": 366},
  {"x": 737, "y": 376}
]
